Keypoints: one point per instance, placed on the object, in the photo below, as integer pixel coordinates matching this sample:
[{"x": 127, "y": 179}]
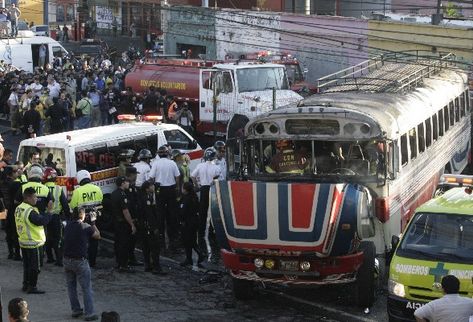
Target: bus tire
[
  {"x": 242, "y": 289},
  {"x": 365, "y": 284}
]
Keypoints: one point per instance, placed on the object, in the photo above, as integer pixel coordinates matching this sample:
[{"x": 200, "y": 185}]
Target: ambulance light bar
[
  {"x": 456, "y": 179},
  {"x": 126, "y": 117}
]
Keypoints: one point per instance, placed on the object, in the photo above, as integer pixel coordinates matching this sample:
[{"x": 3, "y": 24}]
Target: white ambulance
[{"x": 96, "y": 149}]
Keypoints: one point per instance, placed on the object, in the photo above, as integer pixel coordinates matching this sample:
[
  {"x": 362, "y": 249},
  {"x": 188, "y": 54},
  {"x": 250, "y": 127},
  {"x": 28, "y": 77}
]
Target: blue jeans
[
  {"x": 83, "y": 122},
  {"x": 78, "y": 270}
]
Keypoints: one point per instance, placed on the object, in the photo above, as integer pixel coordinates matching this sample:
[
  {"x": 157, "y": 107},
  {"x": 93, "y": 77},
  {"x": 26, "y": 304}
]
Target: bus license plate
[{"x": 289, "y": 265}]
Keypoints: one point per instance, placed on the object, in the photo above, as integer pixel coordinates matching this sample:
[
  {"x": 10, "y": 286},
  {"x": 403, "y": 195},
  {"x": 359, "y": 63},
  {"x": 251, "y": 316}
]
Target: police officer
[
  {"x": 203, "y": 176},
  {"x": 165, "y": 174},
  {"x": 124, "y": 225},
  {"x": 31, "y": 236},
  {"x": 149, "y": 223},
  {"x": 133, "y": 207},
  {"x": 143, "y": 166},
  {"x": 89, "y": 197},
  {"x": 220, "y": 161},
  {"x": 60, "y": 207}
]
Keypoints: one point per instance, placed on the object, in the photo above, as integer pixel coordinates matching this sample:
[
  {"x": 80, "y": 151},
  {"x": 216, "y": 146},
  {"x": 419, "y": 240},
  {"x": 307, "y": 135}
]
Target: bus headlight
[
  {"x": 305, "y": 266},
  {"x": 396, "y": 288},
  {"x": 269, "y": 263},
  {"x": 259, "y": 262}
]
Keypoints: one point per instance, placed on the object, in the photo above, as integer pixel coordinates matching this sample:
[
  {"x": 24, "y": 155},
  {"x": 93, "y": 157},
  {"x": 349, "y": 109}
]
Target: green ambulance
[{"x": 438, "y": 241}]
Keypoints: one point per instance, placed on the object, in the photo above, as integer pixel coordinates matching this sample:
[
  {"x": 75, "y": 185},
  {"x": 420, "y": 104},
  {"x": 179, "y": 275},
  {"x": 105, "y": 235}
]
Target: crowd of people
[
  {"x": 156, "y": 204},
  {"x": 79, "y": 92}
]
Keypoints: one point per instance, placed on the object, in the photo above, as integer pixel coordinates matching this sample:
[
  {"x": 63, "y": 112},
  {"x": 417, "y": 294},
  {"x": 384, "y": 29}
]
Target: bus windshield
[
  {"x": 262, "y": 78},
  {"x": 313, "y": 157},
  {"x": 439, "y": 237}
]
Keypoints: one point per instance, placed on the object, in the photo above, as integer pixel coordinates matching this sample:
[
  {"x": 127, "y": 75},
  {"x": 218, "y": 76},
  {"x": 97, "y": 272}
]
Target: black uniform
[
  {"x": 13, "y": 188},
  {"x": 133, "y": 207},
  {"x": 190, "y": 223},
  {"x": 148, "y": 224},
  {"x": 122, "y": 228}
]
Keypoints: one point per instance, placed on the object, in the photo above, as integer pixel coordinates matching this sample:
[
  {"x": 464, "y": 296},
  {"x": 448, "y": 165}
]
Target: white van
[
  {"x": 23, "y": 53},
  {"x": 96, "y": 149}
]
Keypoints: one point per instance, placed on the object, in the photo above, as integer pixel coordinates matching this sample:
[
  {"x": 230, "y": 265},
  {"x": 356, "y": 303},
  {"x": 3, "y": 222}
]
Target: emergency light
[
  {"x": 152, "y": 118},
  {"x": 455, "y": 179},
  {"x": 126, "y": 117}
]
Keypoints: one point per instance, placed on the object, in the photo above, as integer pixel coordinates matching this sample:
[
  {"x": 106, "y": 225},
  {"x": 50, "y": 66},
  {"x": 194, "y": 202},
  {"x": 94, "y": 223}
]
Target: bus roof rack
[{"x": 392, "y": 73}]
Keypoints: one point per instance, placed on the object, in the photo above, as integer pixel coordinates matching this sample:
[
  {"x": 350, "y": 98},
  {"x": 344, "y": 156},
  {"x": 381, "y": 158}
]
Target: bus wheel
[
  {"x": 365, "y": 285},
  {"x": 242, "y": 289}
]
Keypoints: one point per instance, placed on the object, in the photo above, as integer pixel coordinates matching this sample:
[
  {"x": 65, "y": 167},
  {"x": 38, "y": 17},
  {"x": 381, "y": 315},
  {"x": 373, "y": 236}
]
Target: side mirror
[{"x": 394, "y": 241}]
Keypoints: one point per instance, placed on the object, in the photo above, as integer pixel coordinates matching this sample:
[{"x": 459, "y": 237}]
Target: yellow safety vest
[
  {"x": 56, "y": 194},
  {"x": 41, "y": 190},
  {"x": 29, "y": 235},
  {"x": 87, "y": 196}
]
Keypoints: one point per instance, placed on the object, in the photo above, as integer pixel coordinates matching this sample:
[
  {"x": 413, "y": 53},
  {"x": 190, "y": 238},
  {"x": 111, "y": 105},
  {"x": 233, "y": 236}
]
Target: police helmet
[
  {"x": 210, "y": 154},
  {"x": 175, "y": 153},
  {"x": 163, "y": 151},
  {"x": 126, "y": 154},
  {"x": 35, "y": 171},
  {"x": 82, "y": 175},
  {"x": 144, "y": 154},
  {"x": 49, "y": 174},
  {"x": 219, "y": 146}
]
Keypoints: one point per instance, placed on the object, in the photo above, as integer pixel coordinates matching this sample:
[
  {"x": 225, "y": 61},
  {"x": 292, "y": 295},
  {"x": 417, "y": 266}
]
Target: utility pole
[{"x": 438, "y": 16}]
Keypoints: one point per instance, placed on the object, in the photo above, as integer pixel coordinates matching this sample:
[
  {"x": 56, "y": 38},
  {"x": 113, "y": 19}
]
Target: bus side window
[
  {"x": 467, "y": 100},
  {"x": 413, "y": 143},
  {"x": 441, "y": 123},
  {"x": 462, "y": 104},
  {"x": 428, "y": 133},
  {"x": 404, "y": 150},
  {"x": 421, "y": 137},
  {"x": 392, "y": 157},
  {"x": 451, "y": 110},
  {"x": 446, "y": 118},
  {"x": 457, "y": 109},
  {"x": 435, "y": 129}
]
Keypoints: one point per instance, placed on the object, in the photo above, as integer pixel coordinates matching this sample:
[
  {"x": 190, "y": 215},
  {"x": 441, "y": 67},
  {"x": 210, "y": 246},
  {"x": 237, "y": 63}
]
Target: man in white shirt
[
  {"x": 143, "y": 168},
  {"x": 203, "y": 177},
  {"x": 220, "y": 161},
  {"x": 36, "y": 87},
  {"x": 14, "y": 106},
  {"x": 54, "y": 88},
  {"x": 450, "y": 308},
  {"x": 42, "y": 55},
  {"x": 165, "y": 174}
]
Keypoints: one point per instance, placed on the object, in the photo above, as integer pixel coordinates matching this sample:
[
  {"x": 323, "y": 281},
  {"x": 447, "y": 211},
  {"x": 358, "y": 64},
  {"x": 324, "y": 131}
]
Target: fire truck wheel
[
  {"x": 242, "y": 289},
  {"x": 365, "y": 285}
]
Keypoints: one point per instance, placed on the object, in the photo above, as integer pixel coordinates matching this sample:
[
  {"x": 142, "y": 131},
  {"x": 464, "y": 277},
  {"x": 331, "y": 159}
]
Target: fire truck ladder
[{"x": 386, "y": 73}]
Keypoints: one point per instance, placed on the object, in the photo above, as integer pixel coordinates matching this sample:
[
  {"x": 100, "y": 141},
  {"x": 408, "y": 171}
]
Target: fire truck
[
  {"x": 295, "y": 73},
  {"x": 246, "y": 88}
]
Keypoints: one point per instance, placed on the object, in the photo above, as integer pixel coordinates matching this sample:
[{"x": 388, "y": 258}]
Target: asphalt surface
[{"x": 180, "y": 296}]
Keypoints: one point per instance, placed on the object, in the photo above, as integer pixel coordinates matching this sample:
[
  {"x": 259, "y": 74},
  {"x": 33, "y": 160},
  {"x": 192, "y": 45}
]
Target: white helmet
[
  {"x": 83, "y": 174},
  {"x": 35, "y": 171}
]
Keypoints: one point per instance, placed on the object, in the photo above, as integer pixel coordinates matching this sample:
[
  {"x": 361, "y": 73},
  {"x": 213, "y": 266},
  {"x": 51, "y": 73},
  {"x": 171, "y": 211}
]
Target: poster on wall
[{"x": 103, "y": 17}]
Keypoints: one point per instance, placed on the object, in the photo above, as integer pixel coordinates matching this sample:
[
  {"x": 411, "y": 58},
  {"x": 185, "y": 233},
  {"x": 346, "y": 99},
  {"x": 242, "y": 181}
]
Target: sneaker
[
  {"x": 91, "y": 317},
  {"x": 77, "y": 314},
  {"x": 34, "y": 290}
]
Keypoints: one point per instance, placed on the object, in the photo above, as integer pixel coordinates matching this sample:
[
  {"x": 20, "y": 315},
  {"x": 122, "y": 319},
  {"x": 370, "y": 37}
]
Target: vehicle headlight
[
  {"x": 269, "y": 263},
  {"x": 396, "y": 288},
  {"x": 259, "y": 262},
  {"x": 305, "y": 266}
]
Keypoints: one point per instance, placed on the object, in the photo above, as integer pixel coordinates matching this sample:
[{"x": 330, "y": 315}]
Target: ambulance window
[
  {"x": 177, "y": 139},
  {"x": 95, "y": 159},
  {"x": 152, "y": 143},
  {"x": 50, "y": 157}
]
